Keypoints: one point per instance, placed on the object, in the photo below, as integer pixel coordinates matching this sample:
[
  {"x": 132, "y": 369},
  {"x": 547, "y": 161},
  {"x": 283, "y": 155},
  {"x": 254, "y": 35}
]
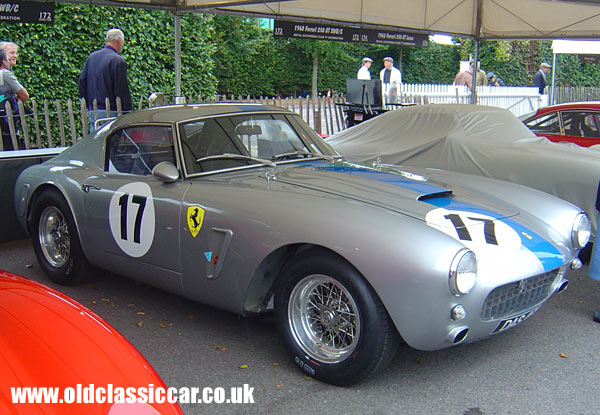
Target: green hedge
[{"x": 51, "y": 57}]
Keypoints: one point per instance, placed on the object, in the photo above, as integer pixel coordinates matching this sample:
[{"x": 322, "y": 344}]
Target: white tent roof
[
  {"x": 577, "y": 47},
  {"x": 483, "y": 19},
  {"x": 511, "y": 19}
]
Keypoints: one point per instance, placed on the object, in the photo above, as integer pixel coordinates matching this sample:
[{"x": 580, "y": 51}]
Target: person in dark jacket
[
  {"x": 539, "y": 80},
  {"x": 105, "y": 76}
]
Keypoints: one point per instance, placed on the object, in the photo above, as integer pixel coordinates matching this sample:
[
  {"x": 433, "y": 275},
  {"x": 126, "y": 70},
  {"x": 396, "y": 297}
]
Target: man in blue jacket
[
  {"x": 105, "y": 76},
  {"x": 539, "y": 80}
]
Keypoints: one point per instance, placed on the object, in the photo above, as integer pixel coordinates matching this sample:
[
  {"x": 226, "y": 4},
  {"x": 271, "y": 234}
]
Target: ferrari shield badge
[{"x": 195, "y": 217}]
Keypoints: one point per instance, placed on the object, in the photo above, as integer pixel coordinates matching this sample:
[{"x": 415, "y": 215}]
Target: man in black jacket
[
  {"x": 539, "y": 80},
  {"x": 105, "y": 76}
]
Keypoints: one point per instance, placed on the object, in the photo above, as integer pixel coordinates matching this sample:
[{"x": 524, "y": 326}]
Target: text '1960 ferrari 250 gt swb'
[{"x": 245, "y": 208}]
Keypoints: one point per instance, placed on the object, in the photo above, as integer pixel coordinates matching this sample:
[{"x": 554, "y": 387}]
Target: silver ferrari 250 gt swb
[{"x": 245, "y": 208}]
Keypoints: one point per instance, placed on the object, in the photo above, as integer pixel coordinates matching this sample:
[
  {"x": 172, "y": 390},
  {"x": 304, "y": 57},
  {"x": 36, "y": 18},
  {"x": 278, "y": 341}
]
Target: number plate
[
  {"x": 358, "y": 116},
  {"x": 512, "y": 322}
]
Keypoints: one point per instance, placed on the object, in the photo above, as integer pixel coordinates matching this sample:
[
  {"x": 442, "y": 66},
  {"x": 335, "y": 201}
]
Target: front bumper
[{"x": 505, "y": 307}]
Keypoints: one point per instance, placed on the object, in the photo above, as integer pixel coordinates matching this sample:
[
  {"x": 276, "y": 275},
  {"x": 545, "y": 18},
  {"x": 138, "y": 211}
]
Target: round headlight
[
  {"x": 582, "y": 230},
  {"x": 463, "y": 272}
]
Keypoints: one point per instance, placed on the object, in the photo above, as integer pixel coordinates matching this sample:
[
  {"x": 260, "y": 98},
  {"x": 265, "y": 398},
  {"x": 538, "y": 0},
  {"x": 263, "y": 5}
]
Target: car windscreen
[{"x": 235, "y": 141}]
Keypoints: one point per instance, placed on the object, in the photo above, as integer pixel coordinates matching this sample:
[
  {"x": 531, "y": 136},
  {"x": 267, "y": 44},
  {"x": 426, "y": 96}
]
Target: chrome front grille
[{"x": 516, "y": 297}]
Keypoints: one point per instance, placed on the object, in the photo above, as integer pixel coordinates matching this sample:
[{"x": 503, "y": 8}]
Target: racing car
[{"x": 245, "y": 208}]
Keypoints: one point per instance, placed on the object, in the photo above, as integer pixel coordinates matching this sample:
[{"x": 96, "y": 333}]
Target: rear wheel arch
[{"x": 55, "y": 237}]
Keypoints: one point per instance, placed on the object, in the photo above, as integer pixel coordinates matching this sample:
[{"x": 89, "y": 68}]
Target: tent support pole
[
  {"x": 177, "y": 24},
  {"x": 477, "y": 39},
  {"x": 475, "y": 73},
  {"x": 553, "y": 79}
]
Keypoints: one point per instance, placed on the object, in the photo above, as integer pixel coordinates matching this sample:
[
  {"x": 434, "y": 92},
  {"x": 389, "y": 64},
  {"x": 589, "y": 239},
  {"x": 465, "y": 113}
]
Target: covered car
[
  {"x": 245, "y": 208},
  {"x": 58, "y": 356},
  {"x": 479, "y": 140}
]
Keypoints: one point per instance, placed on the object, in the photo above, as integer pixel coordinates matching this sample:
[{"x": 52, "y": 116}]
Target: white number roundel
[
  {"x": 132, "y": 219},
  {"x": 476, "y": 230}
]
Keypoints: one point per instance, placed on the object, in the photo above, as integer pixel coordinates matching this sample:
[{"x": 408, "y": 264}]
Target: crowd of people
[{"x": 391, "y": 77}]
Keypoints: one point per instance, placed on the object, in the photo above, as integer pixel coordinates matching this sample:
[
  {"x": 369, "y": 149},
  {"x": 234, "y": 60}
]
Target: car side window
[
  {"x": 579, "y": 124},
  {"x": 547, "y": 124},
  {"x": 136, "y": 150},
  {"x": 206, "y": 138},
  {"x": 266, "y": 136}
]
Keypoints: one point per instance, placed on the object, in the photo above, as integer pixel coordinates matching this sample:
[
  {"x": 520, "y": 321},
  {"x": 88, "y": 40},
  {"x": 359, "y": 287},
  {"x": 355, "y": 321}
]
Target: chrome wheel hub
[
  {"x": 324, "y": 318},
  {"x": 54, "y": 237}
]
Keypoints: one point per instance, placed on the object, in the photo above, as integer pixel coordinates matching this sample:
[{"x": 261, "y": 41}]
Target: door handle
[{"x": 86, "y": 187}]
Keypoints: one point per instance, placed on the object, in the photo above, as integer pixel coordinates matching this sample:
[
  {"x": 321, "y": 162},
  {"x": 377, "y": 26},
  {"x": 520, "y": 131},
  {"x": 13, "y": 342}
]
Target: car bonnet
[{"x": 485, "y": 224}]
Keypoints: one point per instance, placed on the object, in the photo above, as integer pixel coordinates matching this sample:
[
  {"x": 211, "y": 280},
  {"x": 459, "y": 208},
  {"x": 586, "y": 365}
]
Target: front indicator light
[
  {"x": 458, "y": 312},
  {"x": 463, "y": 272}
]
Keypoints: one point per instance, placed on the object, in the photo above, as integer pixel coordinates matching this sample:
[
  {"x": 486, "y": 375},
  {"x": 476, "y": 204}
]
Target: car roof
[
  {"x": 588, "y": 105},
  {"x": 174, "y": 113}
]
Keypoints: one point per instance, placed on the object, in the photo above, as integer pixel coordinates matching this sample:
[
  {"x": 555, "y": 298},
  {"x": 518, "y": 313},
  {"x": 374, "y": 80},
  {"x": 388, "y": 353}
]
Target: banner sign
[
  {"x": 348, "y": 34},
  {"x": 26, "y": 12},
  {"x": 589, "y": 58}
]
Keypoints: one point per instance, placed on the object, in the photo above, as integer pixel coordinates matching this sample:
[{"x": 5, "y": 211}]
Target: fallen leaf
[
  {"x": 106, "y": 300},
  {"x": 141, "y": 313},
  {"x": 161, "y": 325},
  {"x": 131, "y": 305},
  {"x": 243, "y": 366},
  {"x": 139, "y": 324},
  {"x": 564, "y": 356},
  {"x": 190, "y": 316},
  {"x": 278, "y": 386},
  {"x": 28, "y": 266},
  {"x": 275, "y": 364},
  {"x": 307, "y": 378},
  {"x": 179, "y": 333},
  {"x": 94, "y": 302},
  {"x": 112, "y": 303}
]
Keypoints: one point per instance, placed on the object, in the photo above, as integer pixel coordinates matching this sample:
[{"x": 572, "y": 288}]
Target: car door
[
  {"x": 580, "y": 127},
  {"x": 133, "y": 219}
]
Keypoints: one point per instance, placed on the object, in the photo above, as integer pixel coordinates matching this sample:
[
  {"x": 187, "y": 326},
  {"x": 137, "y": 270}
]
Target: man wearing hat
[
  {"x": 391, "y": 80},
  {"x": 363, "y": 72},
  {"x": 539, "y": 80}
]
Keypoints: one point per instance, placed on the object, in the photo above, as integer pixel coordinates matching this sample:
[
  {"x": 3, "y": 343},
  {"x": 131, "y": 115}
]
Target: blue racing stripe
[
  {"x": 548, "y": 255},
  {"x": 381, "y": 176}
]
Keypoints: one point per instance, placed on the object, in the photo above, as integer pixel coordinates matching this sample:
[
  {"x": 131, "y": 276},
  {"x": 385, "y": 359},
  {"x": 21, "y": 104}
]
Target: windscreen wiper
[{"x": 231, "y": 156}]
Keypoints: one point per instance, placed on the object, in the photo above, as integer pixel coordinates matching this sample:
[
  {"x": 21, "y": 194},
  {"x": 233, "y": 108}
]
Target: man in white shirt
[
  {"x": 363, "y": 72},
  {"x": 391, "y": 80}
]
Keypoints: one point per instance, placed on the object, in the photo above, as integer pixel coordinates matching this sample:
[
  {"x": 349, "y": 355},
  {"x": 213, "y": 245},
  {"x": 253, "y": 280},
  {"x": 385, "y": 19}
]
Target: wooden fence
[
  {"x": 575, "y": 94},
  {"x": 56, "y": 123}
]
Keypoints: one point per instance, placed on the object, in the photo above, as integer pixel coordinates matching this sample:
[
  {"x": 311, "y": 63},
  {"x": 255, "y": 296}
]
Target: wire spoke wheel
[
  {"x": 324, "y": 318},
  {"x": 54, "y": 237}
]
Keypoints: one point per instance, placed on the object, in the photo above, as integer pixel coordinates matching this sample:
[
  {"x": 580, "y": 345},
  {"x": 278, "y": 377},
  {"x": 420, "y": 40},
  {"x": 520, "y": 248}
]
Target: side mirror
[{"x": 166, "y": 172}]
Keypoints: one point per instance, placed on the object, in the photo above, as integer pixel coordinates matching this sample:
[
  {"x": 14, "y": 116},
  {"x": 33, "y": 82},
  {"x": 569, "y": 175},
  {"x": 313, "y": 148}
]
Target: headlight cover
[
  {"x": 463, "y": 272},
  {"x": 582, "y": 230}
]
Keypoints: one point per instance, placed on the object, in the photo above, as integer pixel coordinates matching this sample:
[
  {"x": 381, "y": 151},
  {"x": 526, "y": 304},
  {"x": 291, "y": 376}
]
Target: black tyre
[
  {"x": 331, "y": 320},
  {"x": 56, "y": 241}
]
